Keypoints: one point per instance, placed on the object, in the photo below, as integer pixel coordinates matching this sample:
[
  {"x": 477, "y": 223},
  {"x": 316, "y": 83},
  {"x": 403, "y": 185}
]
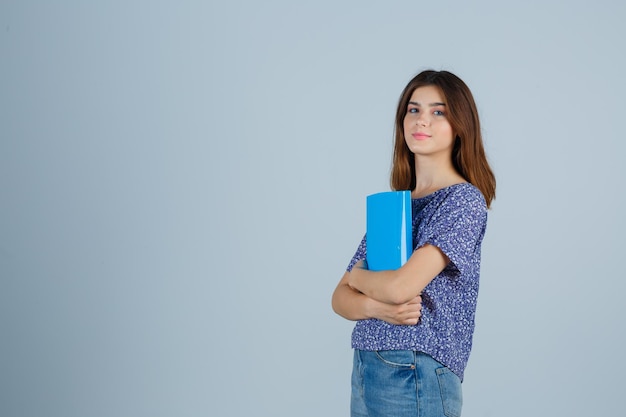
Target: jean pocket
[
  {"x": 451, "y": 393},
  {"x": 397, "y": 358}
]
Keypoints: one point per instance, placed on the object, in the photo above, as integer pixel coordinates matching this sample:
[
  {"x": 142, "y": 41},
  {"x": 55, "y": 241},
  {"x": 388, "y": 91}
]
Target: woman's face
[{"x": 426, "y": 127}]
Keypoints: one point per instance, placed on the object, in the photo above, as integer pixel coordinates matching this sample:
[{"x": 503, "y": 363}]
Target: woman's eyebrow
[{"x": 415, "y": 103}]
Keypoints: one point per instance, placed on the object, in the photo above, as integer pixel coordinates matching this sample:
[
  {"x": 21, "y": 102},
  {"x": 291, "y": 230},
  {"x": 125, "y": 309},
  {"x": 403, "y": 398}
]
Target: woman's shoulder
[
  {"x": 463, "y": 194},
  {"x": 467, "y": 189},
  {"x": 461, "y": 190},
  {"x": 455, "y": 198}
]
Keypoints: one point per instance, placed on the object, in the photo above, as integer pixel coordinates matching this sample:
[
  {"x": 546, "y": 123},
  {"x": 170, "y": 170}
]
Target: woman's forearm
[
  {"x": 403, "y": 284},
  {"x": 379, "y": 285},
  {"x": 354, "y": 305}
]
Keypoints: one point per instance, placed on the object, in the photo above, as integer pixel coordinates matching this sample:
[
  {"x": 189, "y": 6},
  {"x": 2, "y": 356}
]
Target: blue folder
[{"x": 389, "y": 239}]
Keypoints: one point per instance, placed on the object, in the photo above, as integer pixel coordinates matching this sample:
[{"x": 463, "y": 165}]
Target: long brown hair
[{"x": 468, "y": 153}]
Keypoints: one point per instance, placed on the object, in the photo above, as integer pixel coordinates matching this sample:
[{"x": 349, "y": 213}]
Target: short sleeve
[
  {"x": 457, "y": 228},
  {"x": 359, "y": 255}
]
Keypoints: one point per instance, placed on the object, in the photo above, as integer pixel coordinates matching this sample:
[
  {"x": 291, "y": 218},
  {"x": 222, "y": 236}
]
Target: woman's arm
[
  {"x": 403, "y": 284},
  {"x": 354, "y": 305}
]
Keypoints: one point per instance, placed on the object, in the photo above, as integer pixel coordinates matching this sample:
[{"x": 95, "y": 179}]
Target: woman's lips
[{"x": 420, "y": 135}]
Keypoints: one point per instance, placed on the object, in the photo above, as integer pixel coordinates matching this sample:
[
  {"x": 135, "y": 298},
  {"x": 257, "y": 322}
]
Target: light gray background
[{"x": 182, "y": 185}]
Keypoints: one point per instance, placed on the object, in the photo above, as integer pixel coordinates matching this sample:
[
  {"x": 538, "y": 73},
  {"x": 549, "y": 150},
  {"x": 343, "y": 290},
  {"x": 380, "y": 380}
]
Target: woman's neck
[{"x": 432, "y": 175}]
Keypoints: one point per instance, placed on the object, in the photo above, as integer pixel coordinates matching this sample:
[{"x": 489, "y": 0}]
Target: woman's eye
[
  {"x": 412, "y": 110},
  {"x": 438, "y": 113}
]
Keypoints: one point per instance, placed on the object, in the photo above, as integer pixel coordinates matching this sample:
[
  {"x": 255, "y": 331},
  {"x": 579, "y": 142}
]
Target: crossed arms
[{"x": 392, "y": 296}]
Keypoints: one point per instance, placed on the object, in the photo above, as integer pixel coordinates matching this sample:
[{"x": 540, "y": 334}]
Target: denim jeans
[{"x": 403, "y": 383}]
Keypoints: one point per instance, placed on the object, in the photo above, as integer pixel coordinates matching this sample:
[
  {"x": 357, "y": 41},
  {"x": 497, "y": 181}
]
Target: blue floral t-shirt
[{"x": 453, "y": 219}]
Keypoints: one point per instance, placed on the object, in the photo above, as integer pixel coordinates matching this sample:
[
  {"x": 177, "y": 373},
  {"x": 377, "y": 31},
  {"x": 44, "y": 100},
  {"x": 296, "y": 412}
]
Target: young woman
[{"x": 414, "y": 327}]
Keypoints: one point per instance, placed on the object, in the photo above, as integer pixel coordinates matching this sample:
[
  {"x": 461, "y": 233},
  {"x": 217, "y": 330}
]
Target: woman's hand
[
  {"x": 357, "y": 269},
  {"x": 408, "y": 313}
]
